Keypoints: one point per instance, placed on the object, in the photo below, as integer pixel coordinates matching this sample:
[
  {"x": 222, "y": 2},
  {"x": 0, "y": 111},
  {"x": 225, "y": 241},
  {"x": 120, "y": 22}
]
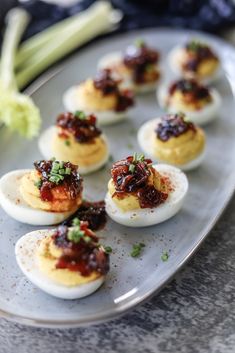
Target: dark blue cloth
[{"x": 206, "y": 15}]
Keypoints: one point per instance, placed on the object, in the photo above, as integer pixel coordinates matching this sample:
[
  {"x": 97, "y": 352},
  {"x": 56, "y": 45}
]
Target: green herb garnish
[
  {"x": 137, "y": 249},
  {"x": 139, "y": 42},
  {"x": 38, "y": 183},
  {"x": 111, "y": 158},
  {"x": 165, "y": 256},
  {"x": 138, "y": 158},
  {"x": 86, "y": 239},
  {"x": 108, "y": 249},
  {"x": 67, "y": 171},
  {"x": 194, "y": 45},
  {"x": 75, "y": 234},
  {"x": 76, "y": 222},
  {"x": 135, "y": 159},
  {"x": 58, "y": 172},
  {"x": 80, "y": 114},
  {"x": 131, "y": 168},
  {"x": 67, "y": 142}
]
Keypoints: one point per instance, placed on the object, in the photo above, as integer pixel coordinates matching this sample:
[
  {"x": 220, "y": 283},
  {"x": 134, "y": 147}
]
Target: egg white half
[
  {"x": 174, "y": 62},
  {"x": 108, "y": 117},
  {"x": 202, "y": 116},
  {"x": 150, "y": 216},
  {"x": 114, "y": 58},
  {"x": 25, "y": 256},
  {"x": 144, "y": 137},
  {"x": 14, "y": 205},
  {"x": 44, "y": 145}
]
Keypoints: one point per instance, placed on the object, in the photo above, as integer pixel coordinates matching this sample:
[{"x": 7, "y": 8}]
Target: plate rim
[{"x": 126, "y": 307}]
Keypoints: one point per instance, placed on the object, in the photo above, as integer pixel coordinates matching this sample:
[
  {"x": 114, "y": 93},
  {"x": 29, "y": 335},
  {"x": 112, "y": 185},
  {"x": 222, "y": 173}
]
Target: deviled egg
[
  {"x": 140, "y": 194},
  {"x": 76, "y": 138},
  {"x": 173, "y": 140},
  {"x": 67, "y": 263},
  {"x": 195, "y": 59},
  {"x": 137, "y": 67},
  {"x": 201, "y": 104},
  {"x": 101, "y": 96},
  {"x": 45, "y": 195}
]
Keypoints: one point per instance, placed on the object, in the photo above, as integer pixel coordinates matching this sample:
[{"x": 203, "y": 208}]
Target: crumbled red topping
[
  {"x": 108, "y": 85},
  {"x": 173, "y": 125},
  {"x": 198, "y": 52},
  {"x": 82, "y": 127},
  {"x": 92, "y": 212},
  {"x": 139, "y": 59},
  {"x": 85, "y": 255},
  {"x": 58, "y": 174},
  {"x": 131, "y": 175},
  {"x": 193, "y": 89}
]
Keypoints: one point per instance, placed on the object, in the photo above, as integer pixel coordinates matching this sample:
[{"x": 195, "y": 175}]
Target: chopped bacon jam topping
[
  {"x": 92, "y": 212},
  {"x": 131, "y": 175},
  {"x": 198, "y": 52},
  {"x": 141, "y": 59},
  {"x": 108, "y": 85},
  {"x": 58, "y": 174},
  {"x": 81, "y": 251},
  {"x": 81, "y": 126},
  {"x": 191, "y": 89},
  {"x": 173, "y": 125}
]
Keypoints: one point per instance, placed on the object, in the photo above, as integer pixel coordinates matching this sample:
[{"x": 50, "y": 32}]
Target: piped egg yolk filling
[
  {"x": 151, "y": 74},
  {"x": 183, "y": 102},
  {"x": 61, "y": 202},
  {"x": 47, "y": 256},
  {"x": 181, "y": 149},
  {"x": 130, "y": 201},
  {"x": 205, "y": 68},
  {"x": 82, "y": 154},
  {"x": 92, "y": 99}
]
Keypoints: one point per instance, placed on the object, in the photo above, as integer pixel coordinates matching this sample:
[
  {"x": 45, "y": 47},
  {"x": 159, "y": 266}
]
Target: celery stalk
[
  {"x": 36, "y": 42},
  {"x": 17, "y": 111},
  {"x": 95, "y": 21}
]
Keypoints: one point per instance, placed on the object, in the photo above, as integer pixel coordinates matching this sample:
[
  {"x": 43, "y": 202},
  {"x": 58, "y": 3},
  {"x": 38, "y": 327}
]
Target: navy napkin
[{"x": 206, "y": 15}]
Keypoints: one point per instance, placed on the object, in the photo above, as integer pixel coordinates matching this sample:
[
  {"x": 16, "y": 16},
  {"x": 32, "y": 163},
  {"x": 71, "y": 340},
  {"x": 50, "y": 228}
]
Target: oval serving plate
[{"x": 130, "y": 281}]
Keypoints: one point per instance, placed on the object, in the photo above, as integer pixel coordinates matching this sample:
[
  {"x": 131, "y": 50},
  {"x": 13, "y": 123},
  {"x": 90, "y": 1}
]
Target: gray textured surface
[
  {"x": 195, "y": 313},
  {"x": 128, "y": 281}
]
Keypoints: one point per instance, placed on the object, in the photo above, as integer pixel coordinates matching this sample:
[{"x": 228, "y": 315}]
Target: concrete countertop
[{"x": 194, "y": 313}]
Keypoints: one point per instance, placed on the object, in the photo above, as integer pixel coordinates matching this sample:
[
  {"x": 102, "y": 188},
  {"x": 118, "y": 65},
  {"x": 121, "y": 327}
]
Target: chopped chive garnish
[
  {"x": 108, "y": 249},
  {"x": 131, "y": 168},
  {"x": 137, "y": 249},
  {"x": 134, "y": 157},
  {"x": 75, "y": 234},
  {"x": 38, "y": 183},
  {"x": 86, "y": 239},
  {"x": 55, "y": 166},
  {"x": 62, "y": 171},
  {"x": 80, "y": 114},
  {"x": 67, "y": 142},
  {"x": 165, "y": 256},
  {"x": 67, "y": 171},
  {"x": 139, "y": 42},
  {"x": 76, "y": 222}
]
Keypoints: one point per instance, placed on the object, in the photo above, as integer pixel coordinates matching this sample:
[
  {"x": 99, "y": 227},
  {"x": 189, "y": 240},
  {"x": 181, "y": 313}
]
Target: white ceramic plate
[{"x": 130, "y": 281}]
